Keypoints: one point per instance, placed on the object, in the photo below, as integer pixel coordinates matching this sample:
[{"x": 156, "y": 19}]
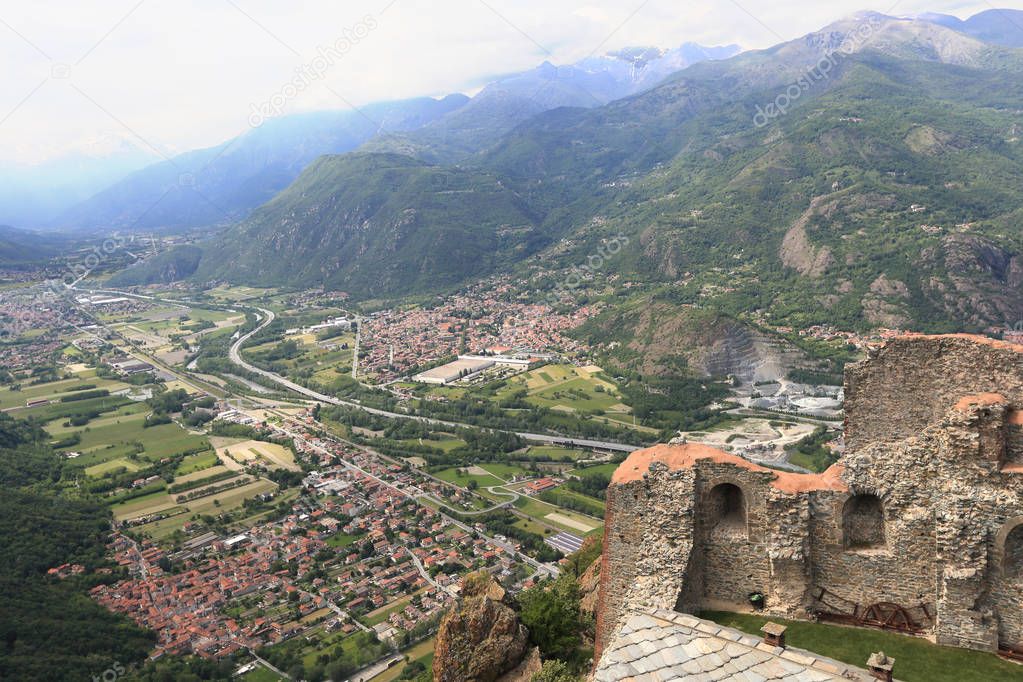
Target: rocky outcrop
[
  {"x": 525, "y": 670},
  {"x": 797, "y": 252},
  {"x": 481, "y": 638},
  {"x": 981, "y": 281}
]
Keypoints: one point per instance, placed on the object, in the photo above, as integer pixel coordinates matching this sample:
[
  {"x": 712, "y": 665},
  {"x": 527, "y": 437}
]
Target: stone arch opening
[
  {"x": 1012, "y": 554},
  {"x": 726, "y": 509},
  {"x": 1007, "y": 590},
  {"x": 863, "y": 522}
]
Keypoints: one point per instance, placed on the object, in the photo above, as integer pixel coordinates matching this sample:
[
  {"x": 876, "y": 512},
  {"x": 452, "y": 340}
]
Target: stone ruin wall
[
  {"x": 942, "y": 474},
  {"x": 912, "y": 381}
]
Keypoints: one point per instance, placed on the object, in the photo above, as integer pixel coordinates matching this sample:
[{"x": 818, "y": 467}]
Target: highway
[{"x": 268, "y": 317}]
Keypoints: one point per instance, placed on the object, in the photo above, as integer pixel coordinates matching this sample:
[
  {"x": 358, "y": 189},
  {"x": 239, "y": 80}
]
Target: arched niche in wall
[
  {"x": 1009, "y": 545},
  {"x": 725, "y": 510},
  {"x": 863, "y": 522}
]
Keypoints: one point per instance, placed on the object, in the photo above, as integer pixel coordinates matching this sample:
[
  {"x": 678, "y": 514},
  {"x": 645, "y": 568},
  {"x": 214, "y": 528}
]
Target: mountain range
[
  {"x": 882, "y": 191},
  {"x": 996, "y": 26},
  {"x": 222, "y": 184},
  {"x": 33, "y": 195}
]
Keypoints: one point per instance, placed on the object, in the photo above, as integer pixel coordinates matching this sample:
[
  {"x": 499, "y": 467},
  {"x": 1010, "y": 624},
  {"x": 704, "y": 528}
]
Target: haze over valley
[{"x": 537, "y": 342}]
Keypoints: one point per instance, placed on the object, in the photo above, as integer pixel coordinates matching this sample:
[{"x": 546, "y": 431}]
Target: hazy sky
[{"x": 179, "y": 74}]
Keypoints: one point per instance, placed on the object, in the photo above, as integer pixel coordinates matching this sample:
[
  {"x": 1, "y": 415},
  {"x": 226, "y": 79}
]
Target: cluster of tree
[
  {"x": 811, "y": 452},
  {"x": 336, "y": 664},
  {"x": 503, "y": 523},
  {"x": 211, "y": 490},
  {"x": 551, "y": 612},
  {"x": 594, "y": 484},
  {"x": 85, "y": 395},
  {"x": 285, "y": 478},
  {"x": 584, "y": 505},
  {"x": 50, "y": 629},
  {"x": 183, "y": 669},
  {"x": 169, "y": 402},
  {"x": 673, "y": 402},
  {"x": 816, "y": 377}
]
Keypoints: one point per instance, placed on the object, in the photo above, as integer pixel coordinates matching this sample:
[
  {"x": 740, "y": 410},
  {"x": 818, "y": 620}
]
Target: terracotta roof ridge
[
  {"x": 979, "y": 400},
  {"x": 685, "y": 456}
]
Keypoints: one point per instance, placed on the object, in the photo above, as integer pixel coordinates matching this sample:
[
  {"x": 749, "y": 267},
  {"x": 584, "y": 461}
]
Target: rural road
[{"x": 507, "y": 546}]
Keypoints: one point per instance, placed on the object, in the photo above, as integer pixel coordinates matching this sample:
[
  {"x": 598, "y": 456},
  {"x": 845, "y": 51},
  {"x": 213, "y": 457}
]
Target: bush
[{"x": 552, "y": 615}]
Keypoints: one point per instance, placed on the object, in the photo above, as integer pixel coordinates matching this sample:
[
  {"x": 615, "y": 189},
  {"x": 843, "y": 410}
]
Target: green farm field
[{"x": 53, "y": 390}]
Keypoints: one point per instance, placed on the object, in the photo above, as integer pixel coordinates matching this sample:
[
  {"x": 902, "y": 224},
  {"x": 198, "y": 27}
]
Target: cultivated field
[{"x": 242, "y": 453}]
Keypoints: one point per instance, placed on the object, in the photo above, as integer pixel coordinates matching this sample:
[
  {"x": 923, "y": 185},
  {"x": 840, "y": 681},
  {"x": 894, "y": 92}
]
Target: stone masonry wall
[
  {"x": 931, "y": 465},
  {"x": 913, "y": 380}
]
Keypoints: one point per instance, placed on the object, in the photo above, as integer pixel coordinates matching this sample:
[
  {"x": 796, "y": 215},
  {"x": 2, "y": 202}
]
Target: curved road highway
[{"x": 268, "y": 317}]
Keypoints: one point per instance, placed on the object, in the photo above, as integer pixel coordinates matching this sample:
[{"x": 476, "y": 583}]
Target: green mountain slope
[
  {"x": 21, "y": 247},
  {"x": 886, "y": 193},
  {"x": 893, "y": 198},
  {"x": 377, "y": 224}
]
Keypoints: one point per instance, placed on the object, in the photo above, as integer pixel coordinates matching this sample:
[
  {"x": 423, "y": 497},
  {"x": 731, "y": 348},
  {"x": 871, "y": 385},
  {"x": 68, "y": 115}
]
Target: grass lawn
[
  {"x": 157, "y": 442},
  {"x": 452, "y": 476},
  {"x": 162, "y": 501},
  {"x": 566, "y": 388},
  {"x": 445, "y": 444},
  {"x": 541, "y": 511},
  {"x": 555, "y": 453},
  {"x": 194, "y": 463},
  {"x": 61, "y": 411},
  {"x": 532, "y": 527},
  {"x": 58, "y": 430},
  {"x": 341, "y": 540},
  {"x": 201, "y": 474},
  {"x": 134, "y": 506},
  {"x": 53, "y": 390},
  {"x": 916, "y": 660},
  {"x": 501, "y": 470},
  {"x": 605, "y": 469},
  {"x": 168, "y": 439},
  {"x": 594, "y": 507},
  {"x": 261, "y": 674},
  {"x": 575, "y": 394},
  {"x": 104, "y": 467}
]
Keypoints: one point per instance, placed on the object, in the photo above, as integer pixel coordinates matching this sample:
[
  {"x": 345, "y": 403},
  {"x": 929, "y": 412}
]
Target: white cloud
[{"x": 179, "y": 74}]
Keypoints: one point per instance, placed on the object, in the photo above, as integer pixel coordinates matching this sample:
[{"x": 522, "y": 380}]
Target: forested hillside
[{"x": 49, "y": 628}]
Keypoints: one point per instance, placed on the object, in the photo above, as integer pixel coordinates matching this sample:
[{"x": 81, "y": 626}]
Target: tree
[
  {"x": 555, "y": 671},
  {"x": 552, "y": 616}
]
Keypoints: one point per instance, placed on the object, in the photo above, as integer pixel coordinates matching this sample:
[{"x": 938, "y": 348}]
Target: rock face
[
  {"x": 481, "y": 638},
  {"x": 920, "y": 524}
]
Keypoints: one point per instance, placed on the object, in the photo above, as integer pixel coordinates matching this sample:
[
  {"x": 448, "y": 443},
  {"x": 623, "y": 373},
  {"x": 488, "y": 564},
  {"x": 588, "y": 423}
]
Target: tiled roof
[{"x": 659, "y": 646}]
